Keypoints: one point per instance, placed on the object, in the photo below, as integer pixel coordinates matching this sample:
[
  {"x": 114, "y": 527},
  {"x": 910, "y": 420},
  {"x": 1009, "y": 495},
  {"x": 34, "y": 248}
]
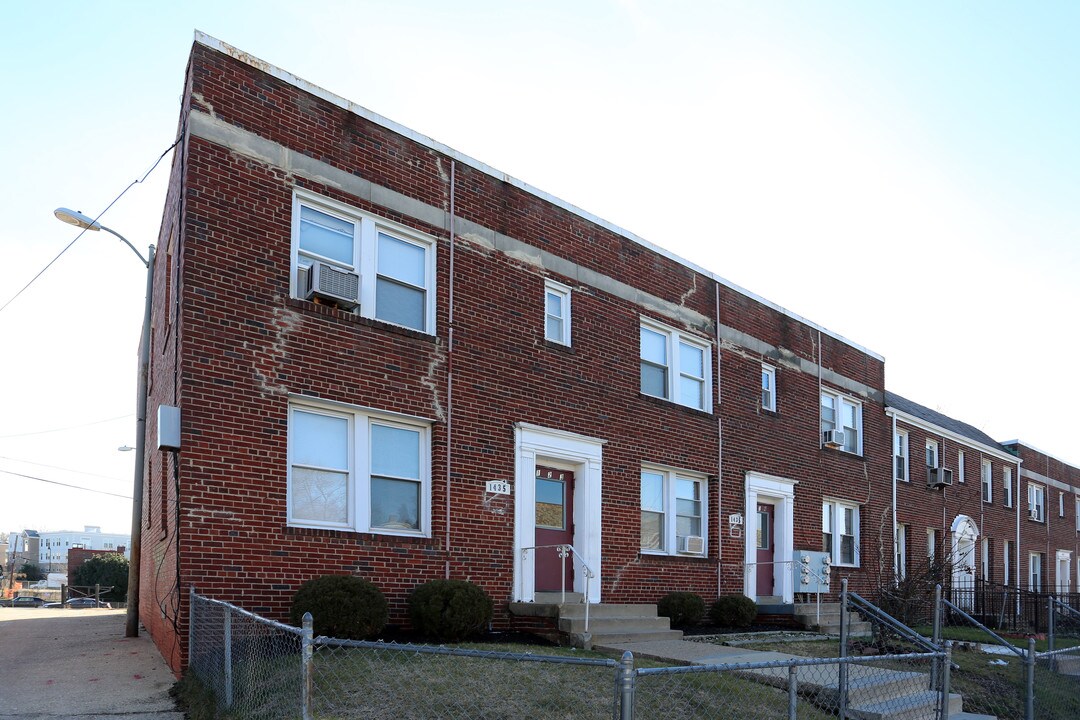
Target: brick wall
[{"x": 230, "y": 347}]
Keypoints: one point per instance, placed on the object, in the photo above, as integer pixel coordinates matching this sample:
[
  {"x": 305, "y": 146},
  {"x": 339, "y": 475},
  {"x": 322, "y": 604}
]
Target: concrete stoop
[
  {"x": 608, "y": 623},
  {"x": 873, "y": 693},
  {"x": 828, "y": 622}
]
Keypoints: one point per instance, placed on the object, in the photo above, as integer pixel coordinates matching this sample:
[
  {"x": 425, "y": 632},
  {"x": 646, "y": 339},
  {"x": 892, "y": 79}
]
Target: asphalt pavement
[{"x": 77, "y": 664}]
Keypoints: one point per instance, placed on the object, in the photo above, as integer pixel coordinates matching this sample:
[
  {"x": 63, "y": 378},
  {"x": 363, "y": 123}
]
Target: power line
[
  {"x": 83, "y": 231},
  {"x": 57, "y": 467},
  {"x": 69, "y": 427},
  {"x": 54, "y": 482}
]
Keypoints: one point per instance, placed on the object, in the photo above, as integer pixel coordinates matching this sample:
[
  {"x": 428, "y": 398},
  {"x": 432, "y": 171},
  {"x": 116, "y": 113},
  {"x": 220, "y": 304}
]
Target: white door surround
[
  {"x": 1062, "y": 581},
  {"x": 964, "y": 534},
  {"x": 535, "y": 445},
  {"x": 779, "y": 492}
]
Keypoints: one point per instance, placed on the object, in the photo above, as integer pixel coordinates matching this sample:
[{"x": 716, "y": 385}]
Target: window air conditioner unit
[
  {"x": 327, "y": 282},
  {"x": 1033, "y": 513},
  {"x": 938, "y": 477},
  {"x": 898, "y": 462},
  {"x": 694, "y": 544},
  {"x": 833, "y": 438}
]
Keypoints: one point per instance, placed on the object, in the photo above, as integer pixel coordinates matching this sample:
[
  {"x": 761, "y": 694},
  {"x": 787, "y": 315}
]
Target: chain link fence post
[
  {"x": 307, "y": 655},
  {"x": 842, "y": 685},
  {"x": 946, "y": 677},
  {"x": 936, "y": 639},
  {"x": 626, "y": 686},
  {"x": 792, "y": 692},
  {"x": 1029, "y": 690},
  {"x": 228, "y": 663}
]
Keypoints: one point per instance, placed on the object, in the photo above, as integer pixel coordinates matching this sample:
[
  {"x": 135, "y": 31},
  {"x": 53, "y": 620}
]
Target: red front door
[
  {"x": 554, "y": 526},
  {"x": 764, "y": 539}
]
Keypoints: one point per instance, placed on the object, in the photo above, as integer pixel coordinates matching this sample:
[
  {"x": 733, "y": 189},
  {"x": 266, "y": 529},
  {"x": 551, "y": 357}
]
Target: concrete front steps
[
  {"x": 608, "y": 623},
  {"x": 828, "y": 622}
]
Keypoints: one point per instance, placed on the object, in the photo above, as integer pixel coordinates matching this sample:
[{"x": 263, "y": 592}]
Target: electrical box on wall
[{"x": 168, "y": 427}]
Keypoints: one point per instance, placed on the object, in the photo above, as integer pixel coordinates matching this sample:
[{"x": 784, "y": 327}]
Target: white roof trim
[
  {"x": 956, "y": 437},
  {"x": 285, "y": 76},
  {"x": 1029, "y": 446}
]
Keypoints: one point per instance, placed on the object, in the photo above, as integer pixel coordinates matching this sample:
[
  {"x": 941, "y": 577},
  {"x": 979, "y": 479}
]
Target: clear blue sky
[{"x": 905, "y": 174}]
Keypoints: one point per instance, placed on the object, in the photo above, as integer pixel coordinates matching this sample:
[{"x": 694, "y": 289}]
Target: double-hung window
[
  {"x": 673, "y": 519},
  {"x": 768, "y": 388},
  {"x": 900, "y": 455},
  {"x": 1035, "y": 571},
  {"x": 675, "y": 366},
  {"x": 932, "y": 454},
  {"x": 556, "y": 312},
  {"x": 960, "y": 466},
  {"x": 1061, "y": 504},
  {"x": 1007, "y": 486},
  {"x": 840, "y": 532},
  {"x": 1036, "y": 502},
  {"x": 844, "y": 414},
  {"x": 393, "y": 265},
  {"x": 358, "y": 470},
  {"x": 987, "y": 481}
]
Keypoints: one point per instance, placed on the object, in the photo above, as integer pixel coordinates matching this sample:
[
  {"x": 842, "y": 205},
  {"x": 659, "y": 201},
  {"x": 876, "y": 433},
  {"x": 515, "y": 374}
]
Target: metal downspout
[
  {"x": 719, "y": 458},
  {"x": 450, "y": 365},
  {"x": 895, "y": 538}
]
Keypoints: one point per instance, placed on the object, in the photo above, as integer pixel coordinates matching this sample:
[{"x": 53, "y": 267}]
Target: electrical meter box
[{"x": 812, "y": 570}]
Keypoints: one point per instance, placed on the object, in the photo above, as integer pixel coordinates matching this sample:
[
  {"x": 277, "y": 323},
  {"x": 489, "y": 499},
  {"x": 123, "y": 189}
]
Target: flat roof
[{"x": 285, "y": 76}]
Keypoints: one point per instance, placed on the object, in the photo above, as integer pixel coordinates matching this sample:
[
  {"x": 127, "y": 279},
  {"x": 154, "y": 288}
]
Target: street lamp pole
[{"x": 79, "y": 220}]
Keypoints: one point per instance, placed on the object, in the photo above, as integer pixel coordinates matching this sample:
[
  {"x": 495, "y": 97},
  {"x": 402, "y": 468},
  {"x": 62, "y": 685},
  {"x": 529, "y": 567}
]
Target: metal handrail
[
  {"x": 565, "y": 551},
  {"x": 865, "y": 606},
  {"x": 988, "y": 631},
  {"x": 1069, "y": 609}
]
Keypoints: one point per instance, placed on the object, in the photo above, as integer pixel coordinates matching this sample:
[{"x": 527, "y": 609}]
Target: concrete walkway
[{"x": 77, "y": 664}]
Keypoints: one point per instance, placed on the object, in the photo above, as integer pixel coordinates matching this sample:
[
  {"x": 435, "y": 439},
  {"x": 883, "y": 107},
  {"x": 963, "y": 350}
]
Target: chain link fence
[
  {"x": 257, "y": 668},
  {"x": 1014, "y": 656}
]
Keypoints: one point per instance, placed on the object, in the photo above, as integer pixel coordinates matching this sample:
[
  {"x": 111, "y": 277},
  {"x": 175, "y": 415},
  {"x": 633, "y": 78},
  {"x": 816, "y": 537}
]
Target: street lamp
[{"x": 72, "y": 217}]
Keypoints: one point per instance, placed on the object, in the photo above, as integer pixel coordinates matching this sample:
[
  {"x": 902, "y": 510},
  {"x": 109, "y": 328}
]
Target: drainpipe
[
  {"x": 896, "y": 570},
  {"x": 450, "y": 366},
  {"x": 719, "y": 458}
]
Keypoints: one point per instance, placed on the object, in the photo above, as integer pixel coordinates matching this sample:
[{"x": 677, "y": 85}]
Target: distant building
[
  {"x": 77, "y": 556},
  {"x": 54, "y": 546}
]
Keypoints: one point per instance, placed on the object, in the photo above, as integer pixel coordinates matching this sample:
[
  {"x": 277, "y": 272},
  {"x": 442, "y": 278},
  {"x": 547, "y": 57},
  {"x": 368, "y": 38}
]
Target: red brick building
[{"x": 392, "y": 360}]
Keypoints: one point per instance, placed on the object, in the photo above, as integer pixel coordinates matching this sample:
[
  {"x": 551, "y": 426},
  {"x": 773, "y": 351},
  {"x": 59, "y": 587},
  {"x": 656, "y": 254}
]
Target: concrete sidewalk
[{"x": 77, "y": 664}]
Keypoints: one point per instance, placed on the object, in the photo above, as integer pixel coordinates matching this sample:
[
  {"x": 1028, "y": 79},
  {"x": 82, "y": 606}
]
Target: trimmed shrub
[
  {"x": 683, "y": 608},
  {"x": 341, "y": 606},
  {"x": 733, "y": 611},
  {"x": 449, "y": 610}
]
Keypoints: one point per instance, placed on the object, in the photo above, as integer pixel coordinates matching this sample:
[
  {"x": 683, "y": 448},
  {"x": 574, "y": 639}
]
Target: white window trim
[
  {"x": 984, "y": 564},
  {"x": 770, "y": 372},
  {"x": 902, "y": 449},
  {"x": 840, "y": 399},
  {"x": 1061, "y": 504},
  {"x": 1007, "y": 484},
  {"x": 986, "y": 478},
  {"x": 1032, "y": 585},
  {"x": 359, "y": 476},
  {"x": 365, "y": 245},
  {"x": 960, "y": 465},
  {"x": 674, "y": 338},
  {"x": 932, "y": 445},
  {"x": 670, "y": 540},
  {"x": 931, "y": 543},
  {"x": 1077, "y": 503},
  {"x": 1034, "y": 490},
  {"x": 901, "y": 551},
  {"x": 837, "y": 507},
  {"x": 563, "y": 291}
]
